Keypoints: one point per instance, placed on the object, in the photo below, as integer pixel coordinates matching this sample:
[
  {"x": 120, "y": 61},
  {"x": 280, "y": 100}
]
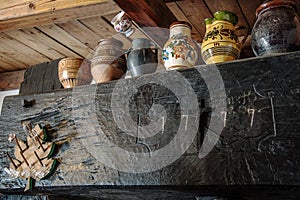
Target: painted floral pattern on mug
[
  {"x": 220, "y": 33},
  {"x": 180, "y": 46}
]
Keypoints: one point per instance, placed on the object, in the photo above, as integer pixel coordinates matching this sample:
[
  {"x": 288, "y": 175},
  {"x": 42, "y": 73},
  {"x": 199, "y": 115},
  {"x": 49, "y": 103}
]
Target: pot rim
[
  {"x": 234, "y": 19},
  {"x": 277, "y": 3},
  {"x": 176, "y": 23},
  {"x": 111, "y": 40},
  {"x": 117, "y": 18}
]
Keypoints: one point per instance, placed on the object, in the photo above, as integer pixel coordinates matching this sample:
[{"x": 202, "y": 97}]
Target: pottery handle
[
  {"x": 153, "y": 47},
  {"x": 126, "y": 52},
  {"x": 245, "y": 35}
]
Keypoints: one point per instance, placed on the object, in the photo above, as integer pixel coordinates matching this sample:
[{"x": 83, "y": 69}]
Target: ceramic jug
[
  {"x": 180, "y": 51},
  {"x": 74, "y": 72},
  {"x": 109, "y": 61},
  {"x": 142, "y": 57},
  {"x": 123, "y": 24},
  {"x": 221, "y": 43},
  {"x": 277, "y": 28}
]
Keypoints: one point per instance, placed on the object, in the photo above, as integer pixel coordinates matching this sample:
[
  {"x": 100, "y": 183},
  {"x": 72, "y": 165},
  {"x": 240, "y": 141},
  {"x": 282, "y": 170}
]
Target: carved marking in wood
[{"x": 270, "y": 94}]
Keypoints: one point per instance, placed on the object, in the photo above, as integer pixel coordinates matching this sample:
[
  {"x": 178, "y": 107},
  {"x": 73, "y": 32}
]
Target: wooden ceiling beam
[
  {"x": 16, "y": 14},
  {"x": 11, "y": 80},
  {"x": 149, "y": 13}
]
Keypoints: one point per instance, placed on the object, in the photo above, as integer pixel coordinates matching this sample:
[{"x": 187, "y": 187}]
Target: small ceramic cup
[{"x": 123, "y": 24}]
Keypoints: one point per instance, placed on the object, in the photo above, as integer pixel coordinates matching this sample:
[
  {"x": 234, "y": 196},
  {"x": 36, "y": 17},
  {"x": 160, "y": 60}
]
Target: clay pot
[
  {"x": 277, "y": 28},
  {"x": 220, "y": 43},
  {"x": 180, "y": 51},
  {"x": 74, "y": 72},
  {"x": 142, "y": 58},
  {"x": 109, "y": 61}
]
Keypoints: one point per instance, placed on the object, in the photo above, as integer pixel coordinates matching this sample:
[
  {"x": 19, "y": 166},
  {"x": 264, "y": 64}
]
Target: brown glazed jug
[
  {"x": 109, "y": 61},
  {"x": 277, "y": 28},
  {"x": 74, "y": 72}
]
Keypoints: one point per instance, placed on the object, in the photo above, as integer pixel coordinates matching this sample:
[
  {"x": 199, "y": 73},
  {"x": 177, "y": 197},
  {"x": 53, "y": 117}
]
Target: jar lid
[
  {"x": 181, "y": 23},
  {"x": 271, "y": 3}
]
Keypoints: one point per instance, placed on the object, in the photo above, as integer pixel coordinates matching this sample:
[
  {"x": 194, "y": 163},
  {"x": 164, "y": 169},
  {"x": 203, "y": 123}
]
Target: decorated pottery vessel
[
  {"x": 277, "y": 28},
  {"x": 180, "y": 51},
  {"x": 220, "y": 43},
  {"x": 123, "y": 24},
  {"x": 109, "y": 61},
  {"x": 142, "y": 57},
  {"x": 74, "y": 72}
]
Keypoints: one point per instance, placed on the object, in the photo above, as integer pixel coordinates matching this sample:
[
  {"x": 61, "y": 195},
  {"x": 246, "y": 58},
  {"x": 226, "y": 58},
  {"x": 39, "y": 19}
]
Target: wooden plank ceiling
[
  {"x": 60, "y": 31},
  {"x": 22, "y": 47}
]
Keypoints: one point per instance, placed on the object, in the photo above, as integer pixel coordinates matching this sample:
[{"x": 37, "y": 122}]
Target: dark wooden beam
[
  {"x": 169, "y": 1},
  {"x": 41, "y": 78},
  {"x": 11, "y": 80},
  {"x": 259, "y": 143},
  {"x": 149, "y": 13}
]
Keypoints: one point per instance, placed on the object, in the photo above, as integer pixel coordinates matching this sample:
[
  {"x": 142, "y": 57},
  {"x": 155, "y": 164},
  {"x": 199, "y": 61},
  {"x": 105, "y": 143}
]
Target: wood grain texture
[
  {"x": 104, "y": 30},
  {"x": 41, "y": 78},
  {"x": 11, "y": 80},
  {"x": 251, "y": 151},
  {"x": 13, "y": 64},
  {"x": 181, "y": 16},
  {"x": 19, "y": 51},
  {"x": 66, "y": 39},
  {"x": 44, "y": 40},
  {"x": 41, "y": 12},
  {"x": 249, "y": 8},
  {"x": 230, "y": 5},
  {"x": 30, "y": 40},
  {"x": 5, "y": 65},
  {"x": 81, "y": 33},
  {"x": 196, "y": 11}
]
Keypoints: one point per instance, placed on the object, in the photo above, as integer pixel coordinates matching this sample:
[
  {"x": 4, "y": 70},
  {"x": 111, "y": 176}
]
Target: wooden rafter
[
  {"x": 11, "y": 80},
  {"x": 16, "y": 14}
]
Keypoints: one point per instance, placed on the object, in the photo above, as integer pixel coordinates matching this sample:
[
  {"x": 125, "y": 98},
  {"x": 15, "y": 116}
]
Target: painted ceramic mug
[
  {"x": 180, "y": 51},
  {"x": 221, "y": 43},
  {"x": 123, "y": 24},
  {"x": 74, "y": 72}
]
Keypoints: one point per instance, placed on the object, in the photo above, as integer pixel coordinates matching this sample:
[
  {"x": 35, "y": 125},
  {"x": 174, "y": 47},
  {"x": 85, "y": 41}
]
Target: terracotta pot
[
  {"x": 74, "y": 72},
  {"x": 220, "y": 43},
  {"x": 109, "y": 61},
  {"x": 142, "y": 57},
  {"x": 277, "y": 28},
  {"x": 180, "y": 51}
]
